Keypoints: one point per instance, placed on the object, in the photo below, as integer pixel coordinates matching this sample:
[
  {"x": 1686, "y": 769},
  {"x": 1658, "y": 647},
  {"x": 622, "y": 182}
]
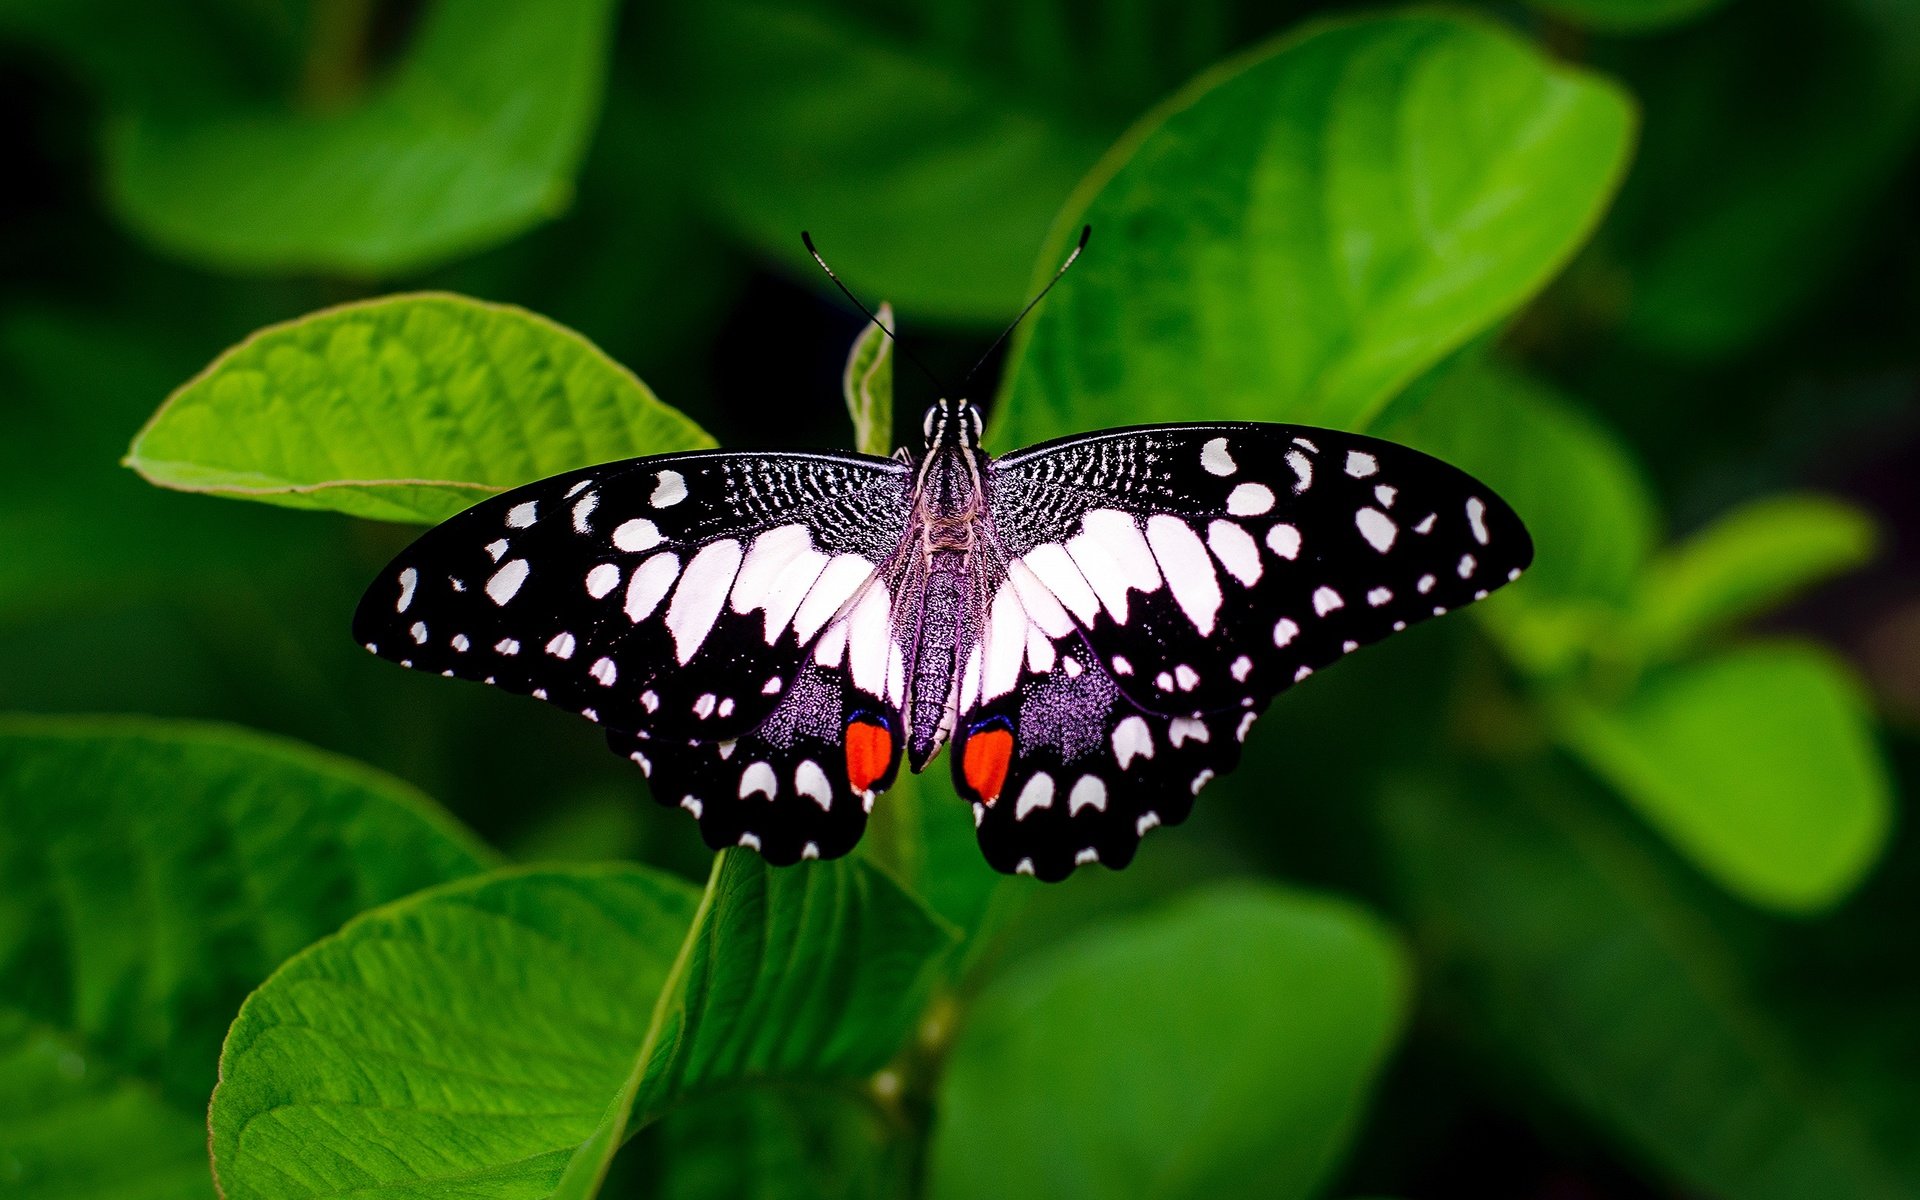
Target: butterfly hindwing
[
  {"x": 673, "y": 595},
  {"x": 1210, "y": 564}
]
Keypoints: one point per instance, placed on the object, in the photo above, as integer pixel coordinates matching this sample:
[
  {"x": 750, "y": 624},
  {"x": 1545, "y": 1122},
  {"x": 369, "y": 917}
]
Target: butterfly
[{"x": 1092, "y": 623}]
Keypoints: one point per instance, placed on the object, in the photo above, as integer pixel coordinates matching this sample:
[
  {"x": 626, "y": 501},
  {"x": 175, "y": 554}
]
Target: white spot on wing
[
  {"x": 1302, "y": 470},
  {"x": 1214, "y": 457},
  {"x": 583, "y": 510},
  {"x": 839, "y": 579},
  {"x": 701, "y": 594},
  {"x": 1325, "y": 600},
  {"x": 1360, "y": 464},
  {"x": 561, "y": 646},
  {"x": 1477, "y": 518},
  {"x": 1051, "y": 564},
  {"x": 1377, "y": 527},
  {"x": 1189, "y": 572},
  {"x": 1242, "y": 667},
  {"x": 1284, "y": 631},
  {"x": 496, "y": 548},
  {"x": 1467, "y": 564},
  {"x": 605, "y": 671},
  {"x": 670, "y": 488},
  {"x": 636, "y": 535},
  {"x": 1284, "y": 540},
  {"x": 507, "y": 580},
  {"x": 408, "y": 579},
  {"x": 1186, "y": 729},
  {"x": 649, "y": 583},
  {"x": 1379, "y": 596},
  {"x": 1236, "y": 550},
  {"x": 810, "y": 781},
  {"x": 1250, "y": 500},
  {"x": 522, "y": 515},
  {"x": 419, "y": 632},
  {"x": 759, "y": 779},
  {"x": 1037, "y": 794},
  {"x": 602, "y": 579},
  {"x": 1089, "y": 792},
  {"x": 507, "y": 646},
  {"x": 1112, "y": 554},
  {"x": 1131, "y": 739}
]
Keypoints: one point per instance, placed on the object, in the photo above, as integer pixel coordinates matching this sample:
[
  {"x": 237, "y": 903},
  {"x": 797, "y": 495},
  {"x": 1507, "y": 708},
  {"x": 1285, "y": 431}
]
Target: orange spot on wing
[
  {"x": 869, "y": 753},
  {"x": 985, "y": 764}
]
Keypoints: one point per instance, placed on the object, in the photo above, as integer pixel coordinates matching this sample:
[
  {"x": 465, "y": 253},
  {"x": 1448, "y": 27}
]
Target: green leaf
[
  {"x": 474, "y": 137},
  {"x": 783, "y": 1143},
  {"x": 1747, "y": 562},
  {"x": 1221, "y": 1047},
  {"x": 1578, "y": 488},
  {"x": 1774, "y": 131},
  {"x": 868, "y": 385},
  {"x": 155, "y": 872},
  {"x": 408, "y": 408},
  {"x": 507, "y": 1034},
  {"x": 1628, "y": 16},
  {"x": 1559, "y": 938},
  {"x": 1759, "y": 765},
  {"x": 1302, "y": 231},
  {"x": 885, "y": 129}
]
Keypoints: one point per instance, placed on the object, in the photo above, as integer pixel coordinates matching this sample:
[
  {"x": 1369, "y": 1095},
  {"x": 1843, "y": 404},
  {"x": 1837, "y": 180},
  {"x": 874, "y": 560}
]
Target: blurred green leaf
[
  {"x": 1559, "y": 939},
  {"x": 82, "y": 535},
  {"x": 474, "y": 136},
  {"x": 868, "y": 386},
  {"x": 879, "y": 126},
  {"x": 1748, "y": 561},
  {"x": 1583, "y": 497},
  {"x": 1759, "y": 764},
  {"x": 1771, "y": 131},
  {"x": 1578, "y": 488},
  {"x": 1222, "y": 1047},
  {"x": 408, "y": 408},
  {"x": 782, "y": 1143},
  {"x": 1628, "y": 16},
  {"x": 1305, "y": 229},
  {"x": 511, "y": 1032},
  {"x": 155, "y": 872}
]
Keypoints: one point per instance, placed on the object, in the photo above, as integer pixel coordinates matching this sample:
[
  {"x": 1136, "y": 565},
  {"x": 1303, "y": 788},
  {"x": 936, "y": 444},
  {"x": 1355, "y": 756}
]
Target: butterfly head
[{"x": 951, "y": 423}]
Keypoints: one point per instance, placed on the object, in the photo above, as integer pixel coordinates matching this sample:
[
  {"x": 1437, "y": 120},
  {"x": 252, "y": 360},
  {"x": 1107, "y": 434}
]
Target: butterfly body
[{"x": 1092, "y": 623}]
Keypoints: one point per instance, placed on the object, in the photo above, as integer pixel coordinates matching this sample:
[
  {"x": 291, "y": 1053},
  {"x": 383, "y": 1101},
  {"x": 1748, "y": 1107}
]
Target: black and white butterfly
[{"x": 1093, "y": 622}]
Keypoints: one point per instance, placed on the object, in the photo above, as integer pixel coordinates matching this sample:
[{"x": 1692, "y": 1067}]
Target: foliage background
[{"x": 1604, "y": 891}]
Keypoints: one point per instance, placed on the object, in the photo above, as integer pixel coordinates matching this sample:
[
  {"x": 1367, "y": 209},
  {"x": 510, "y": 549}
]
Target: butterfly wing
[
  {"x": 1156, "y": 587},
  {"x": 801, "y": 782},
  {"x": 675, "y": 596}
]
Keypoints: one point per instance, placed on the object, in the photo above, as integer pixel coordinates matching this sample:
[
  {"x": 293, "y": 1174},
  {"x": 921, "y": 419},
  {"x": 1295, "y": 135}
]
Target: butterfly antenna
[
  {"x": 807, "y": 240},
  {"x": 1086, "y": 231}
]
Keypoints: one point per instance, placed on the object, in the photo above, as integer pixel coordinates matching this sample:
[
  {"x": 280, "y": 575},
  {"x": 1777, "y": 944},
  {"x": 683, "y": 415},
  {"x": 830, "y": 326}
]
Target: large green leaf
[
  {"x": 474, "y": 136},
  {"x": 1759, "y": 764},
  {"x": 1772, "y": 131},
  {"x": 1560, "y": 939},
  {"x": 408, "y": 408},
  {"x": 1745, "y": 563},
  {"x": 155, "y": 872},
  {"x": 867, "y": 384},
  {"x": 1301, "y": 231},
  {"x": 505, "y": 1035},
  {"x": 1222, "y": 1047},
  {"x": 927, "y": 146}
]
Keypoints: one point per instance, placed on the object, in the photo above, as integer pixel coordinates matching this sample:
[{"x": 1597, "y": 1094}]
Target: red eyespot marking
[
  {"x": 869, "y": 752},
  {"x": 985, "y": 764}
]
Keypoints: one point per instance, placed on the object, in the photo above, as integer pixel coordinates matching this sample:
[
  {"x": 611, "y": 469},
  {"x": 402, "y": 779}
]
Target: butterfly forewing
[{"x": 675, "y": 596}]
